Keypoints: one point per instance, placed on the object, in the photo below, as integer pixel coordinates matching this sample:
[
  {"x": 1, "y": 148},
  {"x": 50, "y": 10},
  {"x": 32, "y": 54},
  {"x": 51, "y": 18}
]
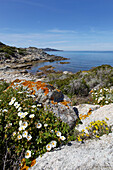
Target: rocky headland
[{"x": 17, "y": 60}]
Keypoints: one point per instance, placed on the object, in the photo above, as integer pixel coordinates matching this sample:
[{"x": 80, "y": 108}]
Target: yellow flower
[
  {"x": 82, "y": 134},
  {"x": 107, "y": 118},
  {"x": 83, "y": 130},
  {"x": 97, "y": 136},
  {"x": 87, "y": 128},
  {"x": 96, "y": 127},
  {"x": 79, "y": 139},
  {"x": 87, "y": 134},
  {"x": 107, "y": 129}
]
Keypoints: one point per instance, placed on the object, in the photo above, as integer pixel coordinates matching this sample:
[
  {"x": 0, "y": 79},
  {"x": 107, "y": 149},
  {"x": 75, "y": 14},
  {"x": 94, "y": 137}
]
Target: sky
[{"x": 78, "y": 25}]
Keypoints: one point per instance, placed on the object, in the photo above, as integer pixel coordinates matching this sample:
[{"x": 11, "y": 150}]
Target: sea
[{"x": 78, "y": 60}]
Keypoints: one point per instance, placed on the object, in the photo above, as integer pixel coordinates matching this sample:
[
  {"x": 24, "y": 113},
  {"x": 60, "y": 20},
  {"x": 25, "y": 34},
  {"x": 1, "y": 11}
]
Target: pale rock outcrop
[{"x": 91, "y": 155}]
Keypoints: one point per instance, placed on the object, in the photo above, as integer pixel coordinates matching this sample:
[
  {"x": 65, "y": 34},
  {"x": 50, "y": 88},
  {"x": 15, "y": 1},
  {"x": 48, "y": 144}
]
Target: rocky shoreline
[{"x": 14, "y": 62}]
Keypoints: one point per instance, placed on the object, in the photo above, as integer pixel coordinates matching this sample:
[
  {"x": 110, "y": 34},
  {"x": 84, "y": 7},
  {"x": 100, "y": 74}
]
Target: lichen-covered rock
[{"x": 51, "y": 98}]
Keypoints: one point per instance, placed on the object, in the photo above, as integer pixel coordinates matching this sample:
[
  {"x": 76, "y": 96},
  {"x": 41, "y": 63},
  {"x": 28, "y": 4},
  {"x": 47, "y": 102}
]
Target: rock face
[
  {"x": 51, "y": 98},
  {"x": 93, "y": 155},
  {"x": 96, "y": 114}
]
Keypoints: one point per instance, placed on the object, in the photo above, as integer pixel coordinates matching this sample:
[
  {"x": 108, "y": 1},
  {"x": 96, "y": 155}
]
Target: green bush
[
  {"x": 3, "y": 86},
  {"x": 26, "y": 130}
]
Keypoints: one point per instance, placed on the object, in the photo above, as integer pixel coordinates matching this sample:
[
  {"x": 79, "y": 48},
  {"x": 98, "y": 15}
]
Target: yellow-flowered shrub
[{"x": 94, "y": 130}]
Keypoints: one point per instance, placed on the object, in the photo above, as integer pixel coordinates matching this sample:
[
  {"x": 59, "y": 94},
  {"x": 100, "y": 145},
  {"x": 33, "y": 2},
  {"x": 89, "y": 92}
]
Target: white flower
[
  {"x": 26, "y": 113},
  {"x": 5, "y": 110},
  {"x": 33, "y": 106},
  {"x": 100, "y": 90},
  {"x": 62, "y": 137},
  {"x": 58, "y": 133},
  {"x": 20, "y": 122},
  {"x": 39, "y": 125},
  {"x": 20, "y": 114},
  {"x": 24, "y": 134},
  {"x": 19, "y": 108},
  {"x": 10, "y": 124},
  {"x": 31, "y": 115},
  {"x": 48, "y": 147},
  {"x": 45, "y": 125},
  {"x": 11, "y": 102},
  {"x": 29, "y": 137},
  {"x": 106, "y": 102},
  {"x": 28, "y": 154},
  {"x": 32, "y": 96},
  {"x": 13, "y": 99},
  {"x": 39, "y": 105},
  {"x": 24, "y": 124},
  {"x": 52, "y": 131},
  {"x": 16, "y": 104},
  {"x": 19, "y": 136},
  {"x": 53, "y": 143},
  {"x": 20, "y": 92},
  {"x": 21, "y": 128},
  {"x": 14, "y": 133}
]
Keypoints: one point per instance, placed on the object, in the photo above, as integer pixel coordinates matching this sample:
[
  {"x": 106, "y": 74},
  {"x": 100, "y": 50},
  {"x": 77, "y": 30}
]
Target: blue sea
[{"x": 79, "y": 60}]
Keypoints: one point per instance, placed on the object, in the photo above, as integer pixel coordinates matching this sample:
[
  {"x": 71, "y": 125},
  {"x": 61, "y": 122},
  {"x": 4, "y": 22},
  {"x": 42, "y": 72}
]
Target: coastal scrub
[{"x": 26, "y": 130}]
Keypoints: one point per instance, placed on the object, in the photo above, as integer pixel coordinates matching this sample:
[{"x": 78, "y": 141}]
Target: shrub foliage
[{"x": 26, "y": 130}]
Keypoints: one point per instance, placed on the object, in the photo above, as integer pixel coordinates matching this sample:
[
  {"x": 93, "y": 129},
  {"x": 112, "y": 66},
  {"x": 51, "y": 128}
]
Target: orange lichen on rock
[
  {"x": 23, "y": 164},
  {"x": 46, "y": 90},
  {"x": 86, "y": 115},
  {"x": 65, "y": 103},
  {"x": 24, "y": 167},
  {"x": 33, "y": 86},
  {"x": 53, "y": 102},
  {"x": 33, "y": 162},
  {"x": 58, "y": 90}
]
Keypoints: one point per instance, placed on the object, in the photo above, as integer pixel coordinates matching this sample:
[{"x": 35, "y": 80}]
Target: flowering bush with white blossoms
[
  {"x": 102, "y": 96},
  {"x": 26, "y": 130}
]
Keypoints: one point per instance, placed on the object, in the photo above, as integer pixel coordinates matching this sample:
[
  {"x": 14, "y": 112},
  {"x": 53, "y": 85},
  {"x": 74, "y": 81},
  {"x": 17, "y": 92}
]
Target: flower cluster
[
  {"x": 102, "y": 96},
  {"x": 94, "y": 130},
  {"x": 53, "y": 144}
]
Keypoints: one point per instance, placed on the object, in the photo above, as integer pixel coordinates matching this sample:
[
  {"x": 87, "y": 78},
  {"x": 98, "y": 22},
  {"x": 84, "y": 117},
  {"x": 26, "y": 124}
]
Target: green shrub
[
  {"x": 3, "y": 86},
  {"x": 26, "y": 130}
]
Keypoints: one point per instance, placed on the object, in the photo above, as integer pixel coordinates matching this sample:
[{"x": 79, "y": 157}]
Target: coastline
[{"x": 16, "y": 66}]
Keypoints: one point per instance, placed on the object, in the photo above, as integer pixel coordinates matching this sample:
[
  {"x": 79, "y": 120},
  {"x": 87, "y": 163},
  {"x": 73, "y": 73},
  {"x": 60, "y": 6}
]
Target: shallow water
[{"x": 79, "y": 60}]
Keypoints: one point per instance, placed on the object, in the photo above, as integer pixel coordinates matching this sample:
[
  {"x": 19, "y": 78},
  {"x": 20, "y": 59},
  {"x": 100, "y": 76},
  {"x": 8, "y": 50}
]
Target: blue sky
[{"x": 61, "y": 24}]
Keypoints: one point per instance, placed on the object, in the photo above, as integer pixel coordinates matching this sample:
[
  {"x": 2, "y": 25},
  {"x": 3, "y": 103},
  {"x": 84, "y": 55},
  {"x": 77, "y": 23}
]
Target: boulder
[{"x": 51, "y": 98}]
